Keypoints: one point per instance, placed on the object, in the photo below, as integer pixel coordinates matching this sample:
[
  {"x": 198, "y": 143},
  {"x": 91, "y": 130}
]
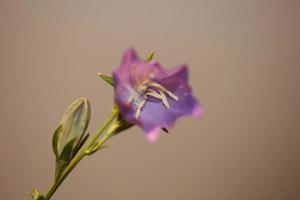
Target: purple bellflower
[{"x": 152, "y": 97}]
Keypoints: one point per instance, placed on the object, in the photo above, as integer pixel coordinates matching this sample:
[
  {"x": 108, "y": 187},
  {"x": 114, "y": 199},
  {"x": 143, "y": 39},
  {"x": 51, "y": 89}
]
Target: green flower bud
[
  {"x": 74, "y": 123},
  {"x": 70, "y": 135}
]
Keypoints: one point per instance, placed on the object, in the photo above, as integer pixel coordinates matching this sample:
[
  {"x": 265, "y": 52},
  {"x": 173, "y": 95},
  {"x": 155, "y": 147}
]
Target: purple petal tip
[
  {"x": 153, "y": 134},
  {"x": 198, "y": 111}
]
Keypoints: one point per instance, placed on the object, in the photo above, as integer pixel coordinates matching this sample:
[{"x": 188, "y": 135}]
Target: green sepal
[
  {"x": 82, "y": 141},
  {"x": 55, "y": 139},
  {"x": 68, "y": 151},
  {"x": 121, "y": 124},
  {"x": 150, "y": 56},
  {"x": 64, "y": 159},
  {"x": 106, "y": 78}
]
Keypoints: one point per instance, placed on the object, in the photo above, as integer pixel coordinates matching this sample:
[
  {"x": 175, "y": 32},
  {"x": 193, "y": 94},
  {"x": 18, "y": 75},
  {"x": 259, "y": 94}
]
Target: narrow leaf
[
  {"x": 35, "y": 193},
  {"x": 36, "y": 196},
  {"x": 94, "y": 149}
]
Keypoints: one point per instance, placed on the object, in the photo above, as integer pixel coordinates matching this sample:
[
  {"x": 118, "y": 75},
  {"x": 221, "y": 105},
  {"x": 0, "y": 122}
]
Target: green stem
[{"x": 82, "y": 153}]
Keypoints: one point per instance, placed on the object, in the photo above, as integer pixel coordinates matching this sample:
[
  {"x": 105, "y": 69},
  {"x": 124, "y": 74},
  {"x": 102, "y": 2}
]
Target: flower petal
[
  {"x": 155, "y": 114},
  {"x": 153, "y": 134},
  {"x": 129, "y": 57},
  {"x": 177, "y": 83}
]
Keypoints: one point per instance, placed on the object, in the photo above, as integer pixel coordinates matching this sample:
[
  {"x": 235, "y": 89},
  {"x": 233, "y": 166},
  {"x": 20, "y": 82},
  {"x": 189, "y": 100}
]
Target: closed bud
[
  {"x": 74, "y": 123},
  {"x": 70, "y": 135}
]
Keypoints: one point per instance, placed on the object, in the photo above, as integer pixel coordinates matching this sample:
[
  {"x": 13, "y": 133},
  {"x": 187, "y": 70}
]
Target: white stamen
[
  {"x": 171, "y": 95},
  {"x": 153, "y": 93},
  {"x": 144, "y": 90},
  {"x": 139, "y": 108},
  {"x": 164, "y": 90},
  {"x": 164, "y": 99}
]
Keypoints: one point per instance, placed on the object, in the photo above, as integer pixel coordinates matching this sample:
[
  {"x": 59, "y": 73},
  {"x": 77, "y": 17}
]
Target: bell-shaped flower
[{"x": 152, "y": 97}]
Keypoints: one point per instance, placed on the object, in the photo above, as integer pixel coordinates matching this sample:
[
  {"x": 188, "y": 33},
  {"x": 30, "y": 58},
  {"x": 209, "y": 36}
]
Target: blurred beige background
[{"x": 244, "y": 65}]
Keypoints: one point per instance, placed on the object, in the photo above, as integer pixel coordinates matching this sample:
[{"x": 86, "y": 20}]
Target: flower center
[{"x": 149, "y": 88}]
